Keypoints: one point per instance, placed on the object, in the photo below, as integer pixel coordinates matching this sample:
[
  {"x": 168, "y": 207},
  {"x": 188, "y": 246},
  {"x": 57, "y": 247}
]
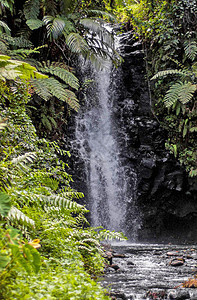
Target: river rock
[{"x": 177, "y": 262}]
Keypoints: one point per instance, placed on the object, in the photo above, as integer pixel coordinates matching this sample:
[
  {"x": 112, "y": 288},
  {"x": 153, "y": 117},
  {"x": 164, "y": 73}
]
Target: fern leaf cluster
[
  {"x": 31, "y": 9},
  {"x": 63, "y": 74},
  {"x": 190, "y": 48},
  {"x": 16, "y": 215},
  {"x": 76, "y": 43},
  {"x": 170, "y": 72},
  {"x": 52, "y": 87}
]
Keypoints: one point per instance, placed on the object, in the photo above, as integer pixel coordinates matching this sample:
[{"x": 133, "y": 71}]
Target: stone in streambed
[
  {"x": 173, "y": 253},
  {"x": 119, "y": 255},
  {"x": 115, "y": 267}
]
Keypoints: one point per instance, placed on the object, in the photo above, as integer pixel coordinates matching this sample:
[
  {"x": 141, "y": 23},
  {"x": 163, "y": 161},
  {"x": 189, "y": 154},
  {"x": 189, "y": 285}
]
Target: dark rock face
[{"x": 165, "y": 195}]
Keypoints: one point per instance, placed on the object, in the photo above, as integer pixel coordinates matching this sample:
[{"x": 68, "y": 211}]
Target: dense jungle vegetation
[{"x": 47, "y": 249}]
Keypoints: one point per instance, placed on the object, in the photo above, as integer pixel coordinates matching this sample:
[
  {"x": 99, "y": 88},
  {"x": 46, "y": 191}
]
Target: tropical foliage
[{"x": 47, "y": 249}]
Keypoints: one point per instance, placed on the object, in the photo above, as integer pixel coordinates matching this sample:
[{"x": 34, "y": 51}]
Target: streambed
[{"x": 151, "y": 272}]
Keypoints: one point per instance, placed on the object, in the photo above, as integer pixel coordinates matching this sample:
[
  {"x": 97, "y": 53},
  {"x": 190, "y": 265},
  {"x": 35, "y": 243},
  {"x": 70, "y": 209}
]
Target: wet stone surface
[{"x": 151, "y": 272}]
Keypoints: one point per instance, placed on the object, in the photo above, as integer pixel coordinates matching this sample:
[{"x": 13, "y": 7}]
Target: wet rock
[
  {"x": 109, "y": 270},
  {"x": 118, "y": 294},
  {"x": 175, "y": 253},
  {"x": 130, "y": 263},
  {"x": 182, "y": 294},
  {"x": 119, "y": 255},
  {"x": 177, "y": 262},
  {"x": 115, "y": 267}
]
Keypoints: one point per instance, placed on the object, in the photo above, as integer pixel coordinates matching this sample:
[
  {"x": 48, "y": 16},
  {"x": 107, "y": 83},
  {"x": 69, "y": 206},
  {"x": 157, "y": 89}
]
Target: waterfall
[{"x": 109, "y": 189}]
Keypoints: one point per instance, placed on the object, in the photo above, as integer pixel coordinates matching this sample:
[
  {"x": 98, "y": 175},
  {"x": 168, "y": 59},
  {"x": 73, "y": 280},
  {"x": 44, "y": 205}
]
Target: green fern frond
[
  {"x": 49, "y": 7},
  {"x": 3, "y": 124},
  {"x": 25, "y": 158},
  {"x": 76, "y": 43},
  {"x": 26, "y": 52},
  {"x": 57, "y": 202},
  {"x": 110, "y": 235},
  {"x": 31, "y": 9},
  {"x": 4, "y": 26},
  {"x": 186, "y": 92},
  {"x": 190, "y": 48},
  {"x": 172, "y": 94},
  {"x": 56, "y": 89},
  {"x": 20, "y": 42},
  {"x": 5, "y": 204},
  {"x": 170, "y": 72},
  {"x": 41, "y": 89},
  {"x": 73, "y": 194},
  {"x": 68, "y": 77},
  {"x": 16, "y": 215},
  {"x": 34, "y": 23},
  {"x": 6, "y": 4},
  {"x": 179, "y": 91},
  {"x": 46, "y": 123},
  {"x": 55, "y": 26}
]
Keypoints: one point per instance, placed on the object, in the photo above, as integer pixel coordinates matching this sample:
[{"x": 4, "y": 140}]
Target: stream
[{"x": 151, "y": 271}]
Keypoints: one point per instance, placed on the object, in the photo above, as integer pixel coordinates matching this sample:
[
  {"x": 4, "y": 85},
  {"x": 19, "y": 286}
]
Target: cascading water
[{"x": 109, "y": 189}]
